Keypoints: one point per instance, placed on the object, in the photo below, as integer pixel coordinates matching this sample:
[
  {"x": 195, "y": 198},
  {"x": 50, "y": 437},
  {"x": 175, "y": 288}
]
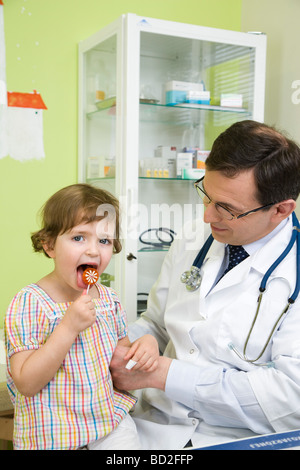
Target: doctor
[{"x": 223, "y": 374}]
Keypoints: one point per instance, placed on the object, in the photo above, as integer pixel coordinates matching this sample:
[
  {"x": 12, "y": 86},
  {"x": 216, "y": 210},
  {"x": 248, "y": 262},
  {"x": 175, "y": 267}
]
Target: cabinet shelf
[
  {"x": 142, "y": 178},
  {"x": 145, "y": 178},
  {"x": 153, "y": 250},
  {"x": 164, "y": 108},
  {"x": 200, "y": 107}
]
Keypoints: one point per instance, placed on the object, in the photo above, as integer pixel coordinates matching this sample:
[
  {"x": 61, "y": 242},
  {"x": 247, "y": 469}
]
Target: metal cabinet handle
[{"x": 130, "y": 257}]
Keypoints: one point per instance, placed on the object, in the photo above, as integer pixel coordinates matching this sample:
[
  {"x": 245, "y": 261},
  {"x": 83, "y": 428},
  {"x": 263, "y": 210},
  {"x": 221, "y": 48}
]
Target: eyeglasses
[{"x": 222, "y": 211}]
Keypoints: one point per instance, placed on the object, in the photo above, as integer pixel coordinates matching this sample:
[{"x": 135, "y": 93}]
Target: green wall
[{"x": 41, "y": 53}]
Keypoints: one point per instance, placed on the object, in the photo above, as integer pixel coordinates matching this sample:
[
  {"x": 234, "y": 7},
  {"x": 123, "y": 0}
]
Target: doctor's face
[{"x": 236, "y": 194}]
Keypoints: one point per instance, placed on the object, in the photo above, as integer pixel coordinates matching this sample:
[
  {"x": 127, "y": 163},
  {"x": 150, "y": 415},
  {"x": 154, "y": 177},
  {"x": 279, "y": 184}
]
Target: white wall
[{"x": 279, "y": 19}]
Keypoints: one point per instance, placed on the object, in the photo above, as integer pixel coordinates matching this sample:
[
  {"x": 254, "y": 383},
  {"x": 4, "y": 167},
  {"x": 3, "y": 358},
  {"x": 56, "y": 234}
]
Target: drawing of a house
[{"x": 24, "y": 125}]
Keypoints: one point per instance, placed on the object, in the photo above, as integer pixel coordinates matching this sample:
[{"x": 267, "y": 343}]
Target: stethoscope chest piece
[{"x": 192, "y": 279}]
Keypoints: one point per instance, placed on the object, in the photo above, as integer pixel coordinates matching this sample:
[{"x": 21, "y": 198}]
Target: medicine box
[
  {"x": 201, "y": 158},
  {"x": 165, "y": 152},
  {"x": 198, "y": 97},
  {"x": 176, "y": 91},
  {"x": 192, "y": 173},
  {"x": 232, "y": 100},
  {"x": 184, "y": 161}
]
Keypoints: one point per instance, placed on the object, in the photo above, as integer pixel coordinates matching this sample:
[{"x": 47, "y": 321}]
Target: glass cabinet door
[
  {"x": 190, "y": 91},
  {"x": 154, "y": 95},
  {"x": 98, "y": 130}
]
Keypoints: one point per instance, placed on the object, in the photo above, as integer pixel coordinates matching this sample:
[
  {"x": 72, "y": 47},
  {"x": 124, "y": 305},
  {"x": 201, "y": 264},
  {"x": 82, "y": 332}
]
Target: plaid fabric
[{"x": 79, "y": 405}]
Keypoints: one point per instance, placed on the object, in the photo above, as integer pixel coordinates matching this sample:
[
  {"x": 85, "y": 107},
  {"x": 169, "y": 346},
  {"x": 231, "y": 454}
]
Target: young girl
[{"x": 60, "y": 339}]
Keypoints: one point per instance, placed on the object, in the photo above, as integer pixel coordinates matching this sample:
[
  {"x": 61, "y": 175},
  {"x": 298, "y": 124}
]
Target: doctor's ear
[{"x": 284, "y": 208}]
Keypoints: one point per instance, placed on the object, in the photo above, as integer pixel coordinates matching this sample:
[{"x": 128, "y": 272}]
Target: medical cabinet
[{"x": 153, "y": 96}]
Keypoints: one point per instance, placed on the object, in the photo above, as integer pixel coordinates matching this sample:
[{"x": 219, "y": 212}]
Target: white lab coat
[{"x": 211, "y": 395}]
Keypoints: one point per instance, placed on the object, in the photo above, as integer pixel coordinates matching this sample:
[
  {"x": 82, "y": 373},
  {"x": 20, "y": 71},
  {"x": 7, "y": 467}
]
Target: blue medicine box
[
  {"x": 175, "y": 96},
  {"x": 179, "y": 96}
]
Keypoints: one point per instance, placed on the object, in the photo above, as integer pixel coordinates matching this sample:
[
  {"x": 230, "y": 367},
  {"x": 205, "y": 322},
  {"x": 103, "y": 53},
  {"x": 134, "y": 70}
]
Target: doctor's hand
[{"x": 135, "y": 379}]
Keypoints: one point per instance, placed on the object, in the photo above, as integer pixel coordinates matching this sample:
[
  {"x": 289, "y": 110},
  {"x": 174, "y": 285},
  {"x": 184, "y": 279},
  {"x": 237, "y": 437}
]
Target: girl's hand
[
  {"x": 144, "y": 351},
  {"x": 81, "y": 314}
]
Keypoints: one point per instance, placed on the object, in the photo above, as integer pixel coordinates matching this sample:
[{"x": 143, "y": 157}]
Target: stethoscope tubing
[
  {"x": 162, "y": 243},
  {"x": 295, "y": 236},
  {"x": 262, "y": 289}
]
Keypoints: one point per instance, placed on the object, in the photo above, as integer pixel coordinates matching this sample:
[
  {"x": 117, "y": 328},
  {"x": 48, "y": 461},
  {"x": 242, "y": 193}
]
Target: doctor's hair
[
  {"x": 274, "y": 158},
  {"x": 74, "y": 205}
]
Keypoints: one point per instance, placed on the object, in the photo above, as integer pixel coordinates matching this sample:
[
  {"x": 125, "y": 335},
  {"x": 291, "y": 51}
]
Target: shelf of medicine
[
  {"x": 152, "y": 178},
  {"x": 157, "y": 107},
  {"x": 200, "y": 107},
  {"x": 142, "y": 178},
  {"x": 153, "y": 250}
]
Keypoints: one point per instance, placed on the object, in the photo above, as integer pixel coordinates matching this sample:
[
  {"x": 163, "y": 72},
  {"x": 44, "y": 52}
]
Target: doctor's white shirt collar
[{"x": 254, "y": 246}]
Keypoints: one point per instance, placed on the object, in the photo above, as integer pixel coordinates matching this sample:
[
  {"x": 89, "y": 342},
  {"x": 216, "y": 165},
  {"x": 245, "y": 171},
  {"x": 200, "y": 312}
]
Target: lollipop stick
[{"x": 87, "y": 291}]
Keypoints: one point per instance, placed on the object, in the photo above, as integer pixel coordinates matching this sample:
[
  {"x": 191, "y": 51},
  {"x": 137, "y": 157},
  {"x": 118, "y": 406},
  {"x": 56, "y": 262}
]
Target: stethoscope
[
  {"x": 161, "y": 242},
  {"x": 192, "y": 279}
]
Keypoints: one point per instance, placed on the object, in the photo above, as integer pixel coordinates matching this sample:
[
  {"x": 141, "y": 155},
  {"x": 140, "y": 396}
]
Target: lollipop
[{"x": 90, "y": 276}]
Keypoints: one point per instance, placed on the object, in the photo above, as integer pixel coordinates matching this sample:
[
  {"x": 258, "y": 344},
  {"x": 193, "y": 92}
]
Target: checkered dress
[{"x": 79, "y": 405}]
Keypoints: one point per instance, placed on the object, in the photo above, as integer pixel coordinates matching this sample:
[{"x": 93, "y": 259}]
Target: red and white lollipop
[{"x": 90, "y": 276}]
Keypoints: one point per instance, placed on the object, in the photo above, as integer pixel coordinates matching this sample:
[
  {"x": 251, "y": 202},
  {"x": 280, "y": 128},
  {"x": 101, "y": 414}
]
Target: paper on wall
[{"x": 25, "y": 134}]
